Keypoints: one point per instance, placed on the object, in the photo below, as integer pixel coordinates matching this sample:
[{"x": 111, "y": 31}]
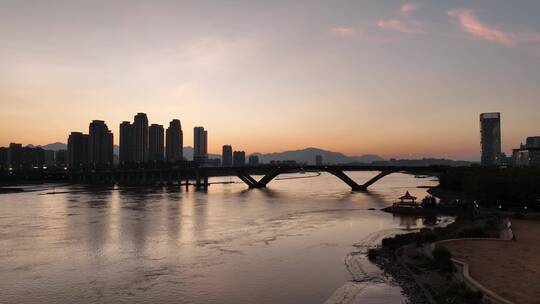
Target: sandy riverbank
[{"x": 511, "y": 269}]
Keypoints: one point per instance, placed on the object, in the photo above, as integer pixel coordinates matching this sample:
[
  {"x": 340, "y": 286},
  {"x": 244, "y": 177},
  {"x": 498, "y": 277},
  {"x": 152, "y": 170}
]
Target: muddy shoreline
[{"x": 390, "y": 265}]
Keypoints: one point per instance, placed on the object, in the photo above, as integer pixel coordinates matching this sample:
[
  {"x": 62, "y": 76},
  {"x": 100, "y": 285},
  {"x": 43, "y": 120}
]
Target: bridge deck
[{"x": 201, "y": 174}]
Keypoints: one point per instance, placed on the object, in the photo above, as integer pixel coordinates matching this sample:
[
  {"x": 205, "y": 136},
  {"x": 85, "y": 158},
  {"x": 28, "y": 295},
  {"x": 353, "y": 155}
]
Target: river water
[{"x": 298, "y": 241}]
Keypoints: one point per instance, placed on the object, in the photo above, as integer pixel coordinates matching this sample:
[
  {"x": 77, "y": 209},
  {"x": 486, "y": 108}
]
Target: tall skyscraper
[
  {"x": 200, "y": 144},
  {"x": 140, "y": 138},
  {"x": 100, "y": 144},
  {"x": 490, "y": 142},
  {"x": 155, "y": 143},
  {"x": 77, "y": 150},
  {"x": 126, "y": 143},
  {"x": 174, "y": 141},
  {"x": 226, "y": 156},
  {"x": 239, "y": 158}
]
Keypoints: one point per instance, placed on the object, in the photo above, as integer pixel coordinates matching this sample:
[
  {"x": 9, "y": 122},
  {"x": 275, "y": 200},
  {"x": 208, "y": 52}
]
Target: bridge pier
[
  {"x": 354, "y": 185},
  {"x": 201, "y": 181},
  {"x": 252, "y": 183}
]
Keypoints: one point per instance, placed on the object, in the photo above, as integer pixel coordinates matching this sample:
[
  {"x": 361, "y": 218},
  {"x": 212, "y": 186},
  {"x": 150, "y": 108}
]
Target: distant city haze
[{"x": 393, "y": 78}]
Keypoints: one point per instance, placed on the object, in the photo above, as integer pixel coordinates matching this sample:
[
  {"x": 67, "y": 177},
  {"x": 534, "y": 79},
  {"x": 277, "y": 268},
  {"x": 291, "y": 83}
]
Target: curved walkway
[{"x": 509, "y": 268}]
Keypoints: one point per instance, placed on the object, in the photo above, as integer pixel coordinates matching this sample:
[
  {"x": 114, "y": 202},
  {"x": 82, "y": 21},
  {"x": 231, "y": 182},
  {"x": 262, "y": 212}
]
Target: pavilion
[{"x": 406, "y": 201}]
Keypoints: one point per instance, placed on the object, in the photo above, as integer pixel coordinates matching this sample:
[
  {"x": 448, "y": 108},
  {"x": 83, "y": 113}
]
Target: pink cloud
[
  {"x": 475, "y": 27},
  {"x": 397, "y": 25},
  {"x": 408, "y": 8},
  {"x": 402, "y": 23},
  {"x": 344, "y": 31}
]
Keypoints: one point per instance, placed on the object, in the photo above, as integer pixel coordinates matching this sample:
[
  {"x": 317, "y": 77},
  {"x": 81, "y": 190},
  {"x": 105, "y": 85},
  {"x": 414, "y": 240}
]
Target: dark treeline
[{"x": 494, "y": 186}]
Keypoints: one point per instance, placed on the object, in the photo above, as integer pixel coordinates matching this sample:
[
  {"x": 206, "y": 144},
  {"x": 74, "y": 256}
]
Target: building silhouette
[
  {"x": 239, "y": 158},
  {"x": 100, "y": 144},
  {"x": 18, "y": 157},
  {"x": 49, "y": 158},
  {"x": 318, "y": 160},
  {"x": 490, "y": 134},
  {"x": 140, "y": 138},
  {"x": 126, "y": 152},
  {"x": 4, "y": 158},
  {"x": 15, "y": 156},
  {"x": 200, "y": 145},
  {"x": 253, "y": 160},
  {"x": 174, "y": 141},
  {"x": 77, "y": 150},
  {"x": 61, "y": 158},
  {"x": 155, "y": 143},
  {"x": 528, "y": 154},
  {"x": 226, "y": 156}
]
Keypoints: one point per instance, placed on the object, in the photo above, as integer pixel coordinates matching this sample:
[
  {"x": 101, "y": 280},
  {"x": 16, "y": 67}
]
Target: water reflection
[{"x": 223, "y": 245}]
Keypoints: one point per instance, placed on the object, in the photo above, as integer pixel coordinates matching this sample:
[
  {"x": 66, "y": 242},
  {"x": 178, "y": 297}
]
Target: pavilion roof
[{"x": 407, "y": 196}]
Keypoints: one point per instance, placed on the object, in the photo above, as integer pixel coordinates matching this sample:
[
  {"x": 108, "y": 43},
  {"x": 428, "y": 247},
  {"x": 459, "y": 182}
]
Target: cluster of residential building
[
  {"x": 527, "y": 155},
  {"x": 140, "y": 143},
  {"x": 15, "y": 156},
  {"x": 236, "y": 158}
]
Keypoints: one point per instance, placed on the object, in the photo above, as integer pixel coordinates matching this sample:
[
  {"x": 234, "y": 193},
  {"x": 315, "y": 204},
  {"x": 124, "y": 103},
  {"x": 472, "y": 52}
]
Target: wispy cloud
[
  {"x": 344, "y": 31},
  {"x": 472, "y": 25},
  {"x": 397, "y": 25},
  {"x": 403, "y": 23},
  {"x": 408, "y": 8}
]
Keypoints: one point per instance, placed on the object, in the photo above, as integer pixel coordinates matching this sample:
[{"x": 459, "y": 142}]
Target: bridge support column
[
  {"x": 346, "y": 179},
  {"x": 201, "y": 181},
  {"x": 354, "y": 185},
  {"x": 252, "y": 183}
]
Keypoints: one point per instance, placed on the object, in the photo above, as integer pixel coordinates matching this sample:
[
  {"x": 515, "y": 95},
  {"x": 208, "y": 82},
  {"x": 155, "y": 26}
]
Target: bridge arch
[
  {"x": 353, "y": 184},
  {"x": 252, "y": 183}
]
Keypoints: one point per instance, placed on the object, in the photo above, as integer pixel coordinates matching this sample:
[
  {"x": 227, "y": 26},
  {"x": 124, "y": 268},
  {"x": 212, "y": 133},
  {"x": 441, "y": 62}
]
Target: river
[{"x": 298, "y": 241}]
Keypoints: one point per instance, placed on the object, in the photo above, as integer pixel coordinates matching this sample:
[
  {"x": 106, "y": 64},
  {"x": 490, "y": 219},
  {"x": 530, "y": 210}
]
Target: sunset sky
[{"x": 394, "y": 78}]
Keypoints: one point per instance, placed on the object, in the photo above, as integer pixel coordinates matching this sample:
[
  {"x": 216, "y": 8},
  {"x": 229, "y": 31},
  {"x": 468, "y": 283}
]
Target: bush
[
  {"x": 442, "y": 258},
  {"x": 426, "y": 236},
  {"x": 429, "y": 237},
  {"x": 399, "y": 240},
  {"x": 429, "y": 202},
  {"x": 372, "y": 254},
  {"x": 459, "y": 292},
  {"x": 492, "y": 222}
]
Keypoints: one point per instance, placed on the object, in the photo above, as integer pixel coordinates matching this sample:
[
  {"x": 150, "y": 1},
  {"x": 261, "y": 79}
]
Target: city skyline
[
  {"x": 397, "y": 79},
  {"x": 143, "y": 118}
]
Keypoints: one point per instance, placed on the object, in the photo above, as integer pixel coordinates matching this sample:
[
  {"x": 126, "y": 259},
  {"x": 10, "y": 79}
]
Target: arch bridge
[{"x": 200, "y": 175}]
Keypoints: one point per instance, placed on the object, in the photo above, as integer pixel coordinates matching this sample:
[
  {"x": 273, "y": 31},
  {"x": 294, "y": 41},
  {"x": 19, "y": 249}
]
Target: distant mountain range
[
  {"x": 54, "y": 146},
  {"x": 306, "y": 155},
  {"x": 188, "y": 154}
]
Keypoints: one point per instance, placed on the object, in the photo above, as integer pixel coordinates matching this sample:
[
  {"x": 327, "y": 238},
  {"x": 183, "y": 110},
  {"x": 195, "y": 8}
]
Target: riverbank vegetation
[
  {"x": 433, "y": 270},
  {"x": 493, "y": 187}
]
